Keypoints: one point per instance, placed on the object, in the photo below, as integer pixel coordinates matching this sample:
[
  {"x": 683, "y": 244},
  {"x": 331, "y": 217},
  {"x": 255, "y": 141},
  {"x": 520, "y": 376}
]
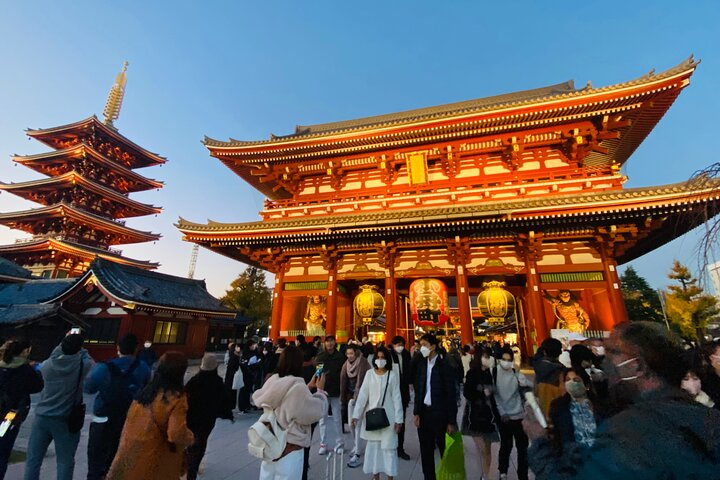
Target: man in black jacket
[
  {"x": 401, "y": 357},
  {"x": 435, "y": 408},
  {"x": 332, "y": 361}
]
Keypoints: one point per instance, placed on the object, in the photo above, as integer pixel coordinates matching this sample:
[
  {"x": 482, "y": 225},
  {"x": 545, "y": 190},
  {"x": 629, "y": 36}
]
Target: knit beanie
[{"x": 209, "y": 362}]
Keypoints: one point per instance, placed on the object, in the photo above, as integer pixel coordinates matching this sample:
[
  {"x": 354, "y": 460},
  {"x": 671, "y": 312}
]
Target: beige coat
[{"x": 292, "y": 401}]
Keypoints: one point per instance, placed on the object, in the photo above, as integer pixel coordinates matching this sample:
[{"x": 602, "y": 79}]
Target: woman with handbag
[
  {"x": 156, "y": 432},
  {"x": 479, "y": 417},
  {"x": 379, "y": 400}
]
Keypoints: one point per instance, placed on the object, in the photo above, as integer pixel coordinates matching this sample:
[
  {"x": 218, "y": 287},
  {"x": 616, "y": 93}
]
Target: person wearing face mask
[
  {"x": 332, "y": 361},
  {"x": 659, "y": 431},
  {"x": 692, "y": 384},
  {"x": 352, "y": 375},
  {"x": 479, "y": 419},
  {"x": 711, "y": 375},
  {"x": 508, "y": 390},
  {"x": 572, "y": 416},
  {"x": 401, "y": 364},
  {"x": 381, "y": 389},
  {"x": 435, "y": 409}
]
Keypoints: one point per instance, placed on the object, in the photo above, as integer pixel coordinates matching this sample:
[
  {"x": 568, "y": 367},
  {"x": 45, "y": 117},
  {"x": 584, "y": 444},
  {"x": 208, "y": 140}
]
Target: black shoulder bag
[
  {"x": 376, "y": 418},
  {"x": 76, "y": 418}
]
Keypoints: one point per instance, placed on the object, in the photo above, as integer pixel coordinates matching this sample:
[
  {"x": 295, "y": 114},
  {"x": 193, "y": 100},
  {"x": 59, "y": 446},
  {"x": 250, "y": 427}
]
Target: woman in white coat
[{"x": 381, "y": 388}]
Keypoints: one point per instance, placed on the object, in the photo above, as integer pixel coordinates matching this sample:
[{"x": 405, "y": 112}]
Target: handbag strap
[{"x": 382, "y": 404}]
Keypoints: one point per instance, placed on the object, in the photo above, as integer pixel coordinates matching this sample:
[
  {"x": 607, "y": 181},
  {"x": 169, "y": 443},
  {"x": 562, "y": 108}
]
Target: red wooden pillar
[
  {"x": 401, "y": 308},
  {"x": 535, "y": 301},
  {"x": 331, "y": 322},
  {"x": 277, "y": 303},
  {"x": 612, "y": 282},
  {"x": 463, "y": 296},
  {"x": 390, "y": 304}
]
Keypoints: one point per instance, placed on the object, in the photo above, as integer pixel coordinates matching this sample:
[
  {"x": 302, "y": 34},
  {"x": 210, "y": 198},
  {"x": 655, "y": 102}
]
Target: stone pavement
[{"x": 227, "y": 456}]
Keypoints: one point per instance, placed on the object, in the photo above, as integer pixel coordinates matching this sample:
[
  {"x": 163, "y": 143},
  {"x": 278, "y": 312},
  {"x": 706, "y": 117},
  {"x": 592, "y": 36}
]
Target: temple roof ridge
[{"x": 565, "y": 90}]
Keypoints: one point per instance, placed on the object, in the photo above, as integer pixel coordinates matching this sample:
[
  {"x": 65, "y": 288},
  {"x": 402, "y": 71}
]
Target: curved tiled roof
[
  {"x": 34, "y": 291},
  {"x": 551, "y": 93},
  {"x": 11, "y": 269}
]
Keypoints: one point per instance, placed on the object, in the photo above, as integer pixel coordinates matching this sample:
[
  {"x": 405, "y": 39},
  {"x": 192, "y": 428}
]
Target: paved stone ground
[{"x": 227, "y": 456}]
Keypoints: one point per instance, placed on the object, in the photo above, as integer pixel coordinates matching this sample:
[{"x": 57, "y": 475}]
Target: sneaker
[
  {"x": 503, "y": 476},
  {"x": 354, "y": 461},
  {"x": 323, "y": 449},
  {"x": 402, "y": 454}
]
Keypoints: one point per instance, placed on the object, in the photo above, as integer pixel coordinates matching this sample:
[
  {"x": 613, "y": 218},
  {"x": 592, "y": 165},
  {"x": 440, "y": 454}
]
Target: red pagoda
[
  {"x": 507, "y": 211},
  {"x": 85, "y": 199}
]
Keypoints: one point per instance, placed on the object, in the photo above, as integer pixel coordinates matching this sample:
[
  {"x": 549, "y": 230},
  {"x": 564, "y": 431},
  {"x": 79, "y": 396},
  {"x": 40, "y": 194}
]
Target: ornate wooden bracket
[
  {"x": 287, "y": 177},
  {"x": 459, "y": 251},
  {"x": 512, "y": 152},
  {"x": 330, "y": 256},
  {"x": 271, "y": 259},
  {"x": 450, "y": 162},
  {"x": 388, "y": 169},
  {"x": 337, "y": 175},
  {"x": 387, "y": 253},
  {"x": 530, "y": 245}
]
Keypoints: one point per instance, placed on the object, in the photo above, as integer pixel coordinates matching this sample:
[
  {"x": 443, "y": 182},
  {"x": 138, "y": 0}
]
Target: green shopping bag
[{"x": 452, "y": 465}]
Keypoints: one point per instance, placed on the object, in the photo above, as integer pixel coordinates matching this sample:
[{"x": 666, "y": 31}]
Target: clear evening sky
[{"x": 247, "y": 69}]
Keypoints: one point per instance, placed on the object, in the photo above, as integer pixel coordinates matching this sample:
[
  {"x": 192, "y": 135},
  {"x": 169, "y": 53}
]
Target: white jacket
[{"x": 370, "y": 396}]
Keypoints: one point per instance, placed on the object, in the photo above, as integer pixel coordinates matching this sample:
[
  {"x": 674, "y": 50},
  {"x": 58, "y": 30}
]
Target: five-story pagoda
[{"x": 91, "y": 173}]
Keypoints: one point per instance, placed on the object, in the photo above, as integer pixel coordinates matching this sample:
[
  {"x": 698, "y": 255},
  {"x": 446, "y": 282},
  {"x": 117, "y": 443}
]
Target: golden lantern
[
  {"x": 495, "y": 303},
  {"x": 429, "y": 302},
  {"x": 368, "y": 304}
]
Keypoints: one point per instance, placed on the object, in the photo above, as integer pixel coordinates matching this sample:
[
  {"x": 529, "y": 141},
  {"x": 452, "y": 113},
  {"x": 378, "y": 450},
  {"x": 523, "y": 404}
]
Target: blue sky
[{"x": 248, "y": 69}]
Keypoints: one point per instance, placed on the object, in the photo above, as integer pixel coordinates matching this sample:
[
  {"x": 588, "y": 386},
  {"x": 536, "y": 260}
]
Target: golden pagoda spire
[{"x": 115, "y": 97}]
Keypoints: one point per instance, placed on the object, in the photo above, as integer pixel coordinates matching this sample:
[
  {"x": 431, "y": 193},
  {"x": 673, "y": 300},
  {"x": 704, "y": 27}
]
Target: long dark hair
[
  {"x": 290, "y": 362},
  {"x": 13, "y": 348},
  {"x": 168, "y": 378},
  {"x": 386, "y": 356}
]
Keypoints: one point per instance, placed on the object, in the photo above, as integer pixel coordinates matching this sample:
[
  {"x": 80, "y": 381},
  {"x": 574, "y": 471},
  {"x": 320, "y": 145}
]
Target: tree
[
  {"x": 249, "y": 295},
  {"x": 641, "y": 301},
  {"x": 689, "y": 308}
]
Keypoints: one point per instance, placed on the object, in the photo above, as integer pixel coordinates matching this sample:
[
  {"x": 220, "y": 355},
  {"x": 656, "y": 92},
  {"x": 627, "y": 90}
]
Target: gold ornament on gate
[
  {"x": 495, "y": 303},
  {"x": 368, "y": 304}
]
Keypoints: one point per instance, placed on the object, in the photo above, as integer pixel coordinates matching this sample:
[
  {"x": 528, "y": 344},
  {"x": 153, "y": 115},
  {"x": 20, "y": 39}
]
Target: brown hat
[{"x": 209, "y": 362}]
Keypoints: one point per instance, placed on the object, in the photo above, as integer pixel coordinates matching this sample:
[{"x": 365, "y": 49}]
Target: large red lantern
[{"x": 429, "y": 302}]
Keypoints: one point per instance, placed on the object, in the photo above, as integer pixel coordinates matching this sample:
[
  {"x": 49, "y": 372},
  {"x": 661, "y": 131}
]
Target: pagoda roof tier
[
  {"x": 35, "y": 220},
  {"x": 38, "y": 190},
  {"x": 62, "y": 161},
  {"x": 85, "y": 253},
  {"x": 633, "y": 107},
  {"x": 63, "y": 136},
  {"x": 566, "y": 215}
]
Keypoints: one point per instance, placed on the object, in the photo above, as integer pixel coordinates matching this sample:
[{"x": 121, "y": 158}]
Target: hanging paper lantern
[
  {"x": 429, "y": 302},
  {"x": 368, "y": 304},
  {"x": 495, "y": 303}
]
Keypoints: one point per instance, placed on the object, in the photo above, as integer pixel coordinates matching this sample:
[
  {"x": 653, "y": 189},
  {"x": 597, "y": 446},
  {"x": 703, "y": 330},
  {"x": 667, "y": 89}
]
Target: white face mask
[
  {"x": 425, "y": 351},
  {"x": 691, "y": 385},
  {"x": 506, "y": 364},
  {"x": 599, "y": 351},
  {"x": 147, "y": 344},
  {"x": 399, "y": 348},
  {"x": 380, "y": 363},
  {"x": 488, "y": 362}
]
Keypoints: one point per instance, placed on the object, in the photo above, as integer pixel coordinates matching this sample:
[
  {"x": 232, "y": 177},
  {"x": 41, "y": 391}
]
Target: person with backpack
[
  {"x": 155, "y": 434},
  {"x": 206, "y": 403},
  {"x": 508, "y": 388},
  {"x": 18, "y": 379},
  {"x": 60, "y": 412},
  {"x": 116, "y": 382},
  {"x": 288, "y": 403}
]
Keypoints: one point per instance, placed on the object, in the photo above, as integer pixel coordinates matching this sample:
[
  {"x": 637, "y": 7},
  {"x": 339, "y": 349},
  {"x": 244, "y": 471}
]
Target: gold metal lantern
[{"x": 368, "y": 304}]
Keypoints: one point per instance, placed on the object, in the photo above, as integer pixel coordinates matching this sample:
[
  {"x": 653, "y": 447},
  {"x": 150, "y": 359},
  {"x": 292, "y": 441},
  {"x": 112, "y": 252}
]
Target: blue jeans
[{"x": 44, "y": 431}]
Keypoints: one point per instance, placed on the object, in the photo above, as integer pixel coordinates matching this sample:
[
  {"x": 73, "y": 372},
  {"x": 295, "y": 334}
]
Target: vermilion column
[
  {"x": 401, "y": 309},
  {"x": 612, "y": 282},
  {"x": 390, "y": 305},
  {"x": 463, "y": 297},
  {"x": 331, "y": 322},
  {"x": 277, "y": 302},
  {"x": 535, "y": 301}
]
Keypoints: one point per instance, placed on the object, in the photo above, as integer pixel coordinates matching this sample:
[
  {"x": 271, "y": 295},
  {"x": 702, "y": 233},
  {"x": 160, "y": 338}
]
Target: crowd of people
[{"x": 638, "y": 404}]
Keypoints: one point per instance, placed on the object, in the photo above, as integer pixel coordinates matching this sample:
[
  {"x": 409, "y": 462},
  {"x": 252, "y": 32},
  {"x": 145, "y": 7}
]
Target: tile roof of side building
[
  {"x": 11, "y": 269},
  {"x": 542, "y": 94},
  {"x": 34, "y": 291}
]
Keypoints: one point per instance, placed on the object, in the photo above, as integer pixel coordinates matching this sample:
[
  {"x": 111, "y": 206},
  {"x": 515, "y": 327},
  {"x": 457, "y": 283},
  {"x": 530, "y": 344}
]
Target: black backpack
[
  {"x": 117, "y": 397},
  {"x": 6, "y": 401}
]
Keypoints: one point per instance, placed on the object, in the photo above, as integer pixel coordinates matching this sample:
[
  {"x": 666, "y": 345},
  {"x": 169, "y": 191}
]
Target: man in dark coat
[
  {"x": 401, "y": 358},
  {"x": 206, "y": 403},
  {"x": 659, "y": 432},
  {"x": 435, "y": 406},
  {"x": 332, "y": 361}
]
